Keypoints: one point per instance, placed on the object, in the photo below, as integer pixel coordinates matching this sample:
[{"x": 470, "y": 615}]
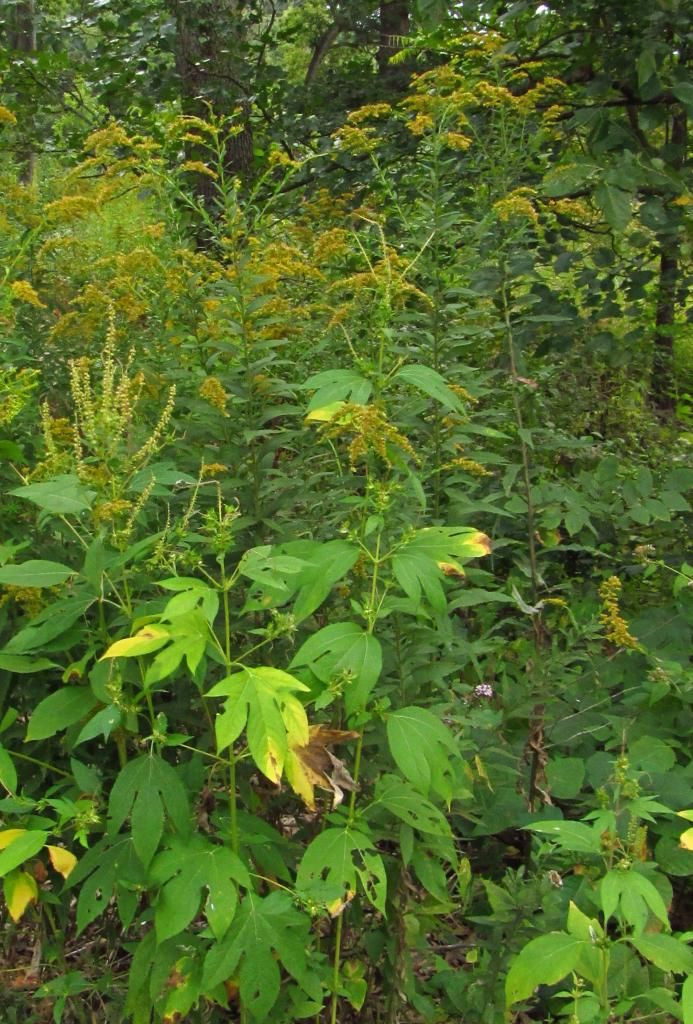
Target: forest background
[{"x": 346, "y": 412}]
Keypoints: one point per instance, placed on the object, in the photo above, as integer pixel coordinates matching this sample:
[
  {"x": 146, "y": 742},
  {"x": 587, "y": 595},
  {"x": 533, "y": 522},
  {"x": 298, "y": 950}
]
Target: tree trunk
[
  {"x": 662, "y": 383},
  {"x": 394, "y": 27},
  {"x": 21, "y": 37},
  {"x": 209, "y": 38}
]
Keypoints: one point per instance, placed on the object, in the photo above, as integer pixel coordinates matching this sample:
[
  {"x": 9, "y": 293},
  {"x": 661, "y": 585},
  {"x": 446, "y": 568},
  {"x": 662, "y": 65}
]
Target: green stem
[
  {"x": 41, "y": 764},
  {"x": 336, "y": 964}
]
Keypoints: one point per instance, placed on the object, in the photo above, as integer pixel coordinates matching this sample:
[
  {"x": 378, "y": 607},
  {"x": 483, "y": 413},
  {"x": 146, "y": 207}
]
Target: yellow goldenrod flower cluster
[
  {"x": 16, "y": 387},
  {"x": 107, "y": 511},
  {"x": 31, "y": 600},
  {"x": 615, "y": 626},
  {"x": 457, "y": 141},
  {"x": 470, "y": 466},
  {"x": 198, "y": 167},
  {"x": 356, "y": 140},
  {"x": 371, "y": 430},
  {"x": 369, "y": 112},
  {"x": 26, "y": 292},
  {"x": 69, "y": 208},
  {"x": 517, "y": 204},
  {"x": 212, "y": 469},
  {"x": 212, "y": 390},
  {"x": 279, "y": 158}
]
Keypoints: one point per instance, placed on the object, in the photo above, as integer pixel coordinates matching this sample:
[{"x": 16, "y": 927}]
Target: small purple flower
[{"x": 483, "y": 690}]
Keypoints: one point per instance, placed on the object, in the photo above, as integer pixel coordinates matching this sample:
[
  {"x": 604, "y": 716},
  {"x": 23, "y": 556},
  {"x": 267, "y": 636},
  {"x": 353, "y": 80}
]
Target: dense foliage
[{"x": 346, "y": 393}]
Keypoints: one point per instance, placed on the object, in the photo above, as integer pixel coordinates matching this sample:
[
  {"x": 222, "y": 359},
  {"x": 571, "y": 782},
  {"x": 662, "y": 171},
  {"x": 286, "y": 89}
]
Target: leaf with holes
[
  {"x": 267, "y": 931},
  {"x": 109, "y": 866},
  {"x": 335, "y": 860}
]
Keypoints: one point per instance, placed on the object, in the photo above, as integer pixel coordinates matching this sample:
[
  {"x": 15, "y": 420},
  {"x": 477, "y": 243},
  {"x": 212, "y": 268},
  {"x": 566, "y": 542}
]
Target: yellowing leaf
[
  {"x": 326, "y": 413},
  {"x": 149, "y": 638},
  {"x": 686, "y": 839},
  {"x": 62, "y": 860},
  {"x": 688, "y": 815},
  {"x": 311, "y": 765},
  {"x": 9, "y": 835},
  {"x": 20, "y": 889},
  {"x": 295, "y": 720}
]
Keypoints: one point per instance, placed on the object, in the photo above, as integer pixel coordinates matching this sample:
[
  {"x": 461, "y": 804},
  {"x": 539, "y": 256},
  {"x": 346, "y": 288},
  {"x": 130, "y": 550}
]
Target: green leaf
[
  {"x": 543, "y": 961},
  {"x": 23, "y": 665},
  {"x": 63, "y": 495},
  {"x": 8, "y": 772},
  {"x": 54, "y": 621},
  {"x": 396, "y": 797},
  {"x": 35, "y": 573},
  {"x": 343, "y": 650},
  {"x": 143, "y": 789},
  {"x": 687, "y": 990},
  {"x": 563, "y": 181},
  {"x": 266, "y": 930},
  {"x": 565, "y": 776},
  {"x": 184, "y": 870},
  {"x": 103, "y": 723},
  {"x": 333, "y": 862},
  {"x": 430, "y": 13},
  {"x": 422, "y": 748},
  {"x": 683, "y": 91},
  {"x": 428, "y": 380},
  {"x": 336, "y": 386},
  {"x": 669, "y": 954},
  {"x": 23, "y": 847},
  {"x": 328, "y": 564},
  {"x": 615, "y": 204},
  {"x": 110, "y": 865},
  {"x": 418, "y": 564},
  {"x": 59, "y": 710},
  {"x": 569, "y": 835}
]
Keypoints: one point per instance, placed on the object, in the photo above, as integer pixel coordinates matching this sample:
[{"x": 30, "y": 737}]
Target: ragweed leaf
[
  {"x": 422, "y": 748},
  {"x": 267, "y": 931},
  {"x": 262, "y": 698},
  {"x": 417, "y": 563},
  {"x": 343, "y": 650},
  {"x": 145, "y": 788},
  {"x": 59, "y": 710},
  {"x": 184, "y": 870},
  {"x": 543, "y": 961},
  {"x": 108, "y": 867},
  {"x": 335, "y": 860},
  {"x": 35, "y": 573}
]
